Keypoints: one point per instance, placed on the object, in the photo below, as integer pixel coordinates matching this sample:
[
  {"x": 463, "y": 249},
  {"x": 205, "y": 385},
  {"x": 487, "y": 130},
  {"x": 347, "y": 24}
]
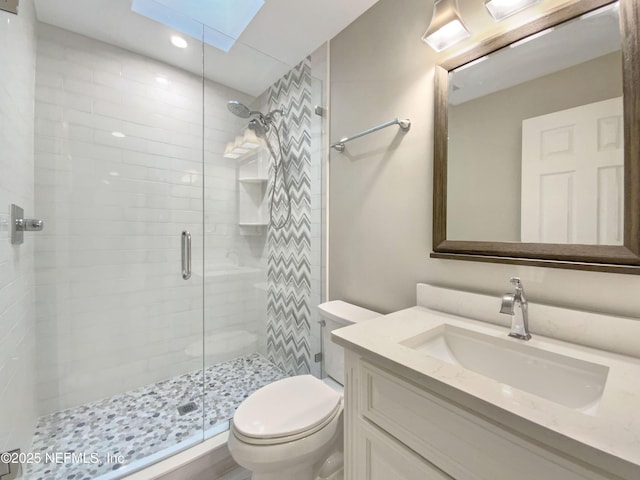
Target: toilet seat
[
  {"x": 286, "y": 410},
  {"x": 289, "y": 438}
]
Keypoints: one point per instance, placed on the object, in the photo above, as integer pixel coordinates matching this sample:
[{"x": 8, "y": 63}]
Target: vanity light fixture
[
  {"x": 446, "y": 27},
  {"x": 229, "y": 153},
  {"x": 501, "y": 9},
  {"x": 242, "y": 145},
  {"x": 250, "y": 140}
]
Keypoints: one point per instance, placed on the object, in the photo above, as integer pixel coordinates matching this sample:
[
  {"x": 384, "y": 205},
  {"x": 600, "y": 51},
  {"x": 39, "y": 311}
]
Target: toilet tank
[{"x": 338, "y": 314}]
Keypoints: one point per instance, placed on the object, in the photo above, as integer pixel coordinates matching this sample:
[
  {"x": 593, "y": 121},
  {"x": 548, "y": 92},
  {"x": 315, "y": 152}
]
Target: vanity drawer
[
  {"x": 380, "y": 457},
  {"x": 460, "y": 443}
]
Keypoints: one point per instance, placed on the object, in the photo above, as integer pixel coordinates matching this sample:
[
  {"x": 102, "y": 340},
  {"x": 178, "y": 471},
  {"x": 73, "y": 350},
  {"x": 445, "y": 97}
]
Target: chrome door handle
[
  {"x": 29, "y": 225},
  {"x": 186, "y": 255},
  {"x": 19, "y": 224}
]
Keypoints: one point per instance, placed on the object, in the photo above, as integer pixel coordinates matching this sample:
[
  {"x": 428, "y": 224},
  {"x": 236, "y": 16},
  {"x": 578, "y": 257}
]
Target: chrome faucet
[{"x": 515, "y": 304}]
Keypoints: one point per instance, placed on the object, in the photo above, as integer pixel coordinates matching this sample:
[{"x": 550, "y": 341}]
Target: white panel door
[{"x": 572, "y": 176}]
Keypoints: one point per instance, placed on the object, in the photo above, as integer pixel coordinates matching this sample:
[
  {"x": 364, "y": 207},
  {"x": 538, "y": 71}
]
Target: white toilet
[{"x": 292, "y": 429}]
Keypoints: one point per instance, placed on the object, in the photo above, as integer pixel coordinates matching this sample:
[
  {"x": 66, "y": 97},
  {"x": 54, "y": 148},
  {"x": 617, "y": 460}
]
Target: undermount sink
[{"x": 569, "y": 381}]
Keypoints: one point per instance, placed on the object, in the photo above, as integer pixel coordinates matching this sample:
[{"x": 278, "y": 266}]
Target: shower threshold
[{"x": 116, "y": 436}]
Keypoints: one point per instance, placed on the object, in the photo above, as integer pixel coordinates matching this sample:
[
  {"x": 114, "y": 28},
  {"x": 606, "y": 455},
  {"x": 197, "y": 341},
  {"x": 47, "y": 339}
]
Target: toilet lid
[{"x": 286, "y": 407}]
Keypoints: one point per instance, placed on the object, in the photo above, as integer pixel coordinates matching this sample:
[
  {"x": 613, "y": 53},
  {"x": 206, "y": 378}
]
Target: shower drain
[{"x": 187, "y": 408}]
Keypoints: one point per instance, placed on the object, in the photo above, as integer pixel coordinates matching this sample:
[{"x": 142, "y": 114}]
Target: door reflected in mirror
[{"x": 536, "y": 138}]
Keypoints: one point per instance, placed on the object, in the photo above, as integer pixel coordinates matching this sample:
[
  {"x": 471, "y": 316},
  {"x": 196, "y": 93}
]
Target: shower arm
[{"x": 269, "y": 116}]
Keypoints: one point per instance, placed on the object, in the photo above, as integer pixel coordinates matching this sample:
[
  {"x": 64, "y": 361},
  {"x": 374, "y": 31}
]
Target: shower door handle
[{"x": 186, "y": 255}]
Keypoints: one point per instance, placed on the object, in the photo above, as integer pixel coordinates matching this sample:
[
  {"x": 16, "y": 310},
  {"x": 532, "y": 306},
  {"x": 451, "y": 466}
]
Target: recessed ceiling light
[
  {"x": 161, "y": 79},
  {"x": 118, "y": 134},
  {"x": 178, "y": 41}
]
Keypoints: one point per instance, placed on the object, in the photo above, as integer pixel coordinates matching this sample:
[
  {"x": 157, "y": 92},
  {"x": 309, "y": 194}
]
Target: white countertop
[{"x": 608, "y": 439}]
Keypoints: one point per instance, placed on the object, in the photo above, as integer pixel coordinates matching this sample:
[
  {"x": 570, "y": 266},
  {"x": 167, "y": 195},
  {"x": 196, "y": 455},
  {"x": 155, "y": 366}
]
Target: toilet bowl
[
  {"x": 287, "y": 429},
  {"x": 292, "y": 429}
]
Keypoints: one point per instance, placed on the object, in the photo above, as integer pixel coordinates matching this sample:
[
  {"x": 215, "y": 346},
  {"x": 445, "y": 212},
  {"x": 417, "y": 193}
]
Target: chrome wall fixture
[
  {"x": 446, "y": 27},
  {"x": 19, "y": 225},
  {"x": 404, "y": 125}
]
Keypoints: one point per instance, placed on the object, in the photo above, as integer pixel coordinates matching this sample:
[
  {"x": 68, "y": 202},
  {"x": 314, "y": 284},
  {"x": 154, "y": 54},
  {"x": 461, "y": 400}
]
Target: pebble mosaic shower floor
[{"x": 105, "y": 436}]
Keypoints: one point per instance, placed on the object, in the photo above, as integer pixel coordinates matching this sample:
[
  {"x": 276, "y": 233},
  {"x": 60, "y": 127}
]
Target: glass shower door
[{"x": 119, "y": 318}]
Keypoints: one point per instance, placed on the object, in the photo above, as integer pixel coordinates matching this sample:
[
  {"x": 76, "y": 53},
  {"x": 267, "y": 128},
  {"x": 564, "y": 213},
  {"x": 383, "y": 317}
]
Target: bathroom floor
[{"x": 118, "y": 431}]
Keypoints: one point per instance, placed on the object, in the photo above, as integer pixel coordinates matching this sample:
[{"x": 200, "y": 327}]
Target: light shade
[
  {"x": 228, "y": 151},
  {"x": 250, "y": 140},
  {"x": 446, "y": 27},
  {"x": 242, "y": 145},
  {"x": 501, "y": 9}
]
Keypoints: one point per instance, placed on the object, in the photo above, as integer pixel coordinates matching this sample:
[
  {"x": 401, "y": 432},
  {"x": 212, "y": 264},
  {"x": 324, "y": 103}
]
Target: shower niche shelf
[
  {"x": 253, "y": 211},
  {"x": 252, "y": 180}
]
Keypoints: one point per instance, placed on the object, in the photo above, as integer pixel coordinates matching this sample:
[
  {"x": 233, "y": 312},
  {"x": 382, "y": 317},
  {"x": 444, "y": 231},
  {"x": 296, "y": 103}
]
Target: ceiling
[
  {"x": 590, "y": 36},
  {"x": 281, "y": 35}
]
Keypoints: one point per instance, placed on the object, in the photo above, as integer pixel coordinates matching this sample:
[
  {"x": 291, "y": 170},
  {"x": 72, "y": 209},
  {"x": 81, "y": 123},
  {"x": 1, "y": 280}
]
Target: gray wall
[
  {"x": 485, "y": 149},
  {"x": 380, "y": 189}
]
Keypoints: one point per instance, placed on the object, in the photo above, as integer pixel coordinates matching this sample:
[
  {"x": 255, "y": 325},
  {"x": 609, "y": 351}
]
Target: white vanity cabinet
[{"x": 400, "y": 430}]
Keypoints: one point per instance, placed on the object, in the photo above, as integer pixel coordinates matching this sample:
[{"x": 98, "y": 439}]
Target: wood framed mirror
[{"x": 511, "y": 183}]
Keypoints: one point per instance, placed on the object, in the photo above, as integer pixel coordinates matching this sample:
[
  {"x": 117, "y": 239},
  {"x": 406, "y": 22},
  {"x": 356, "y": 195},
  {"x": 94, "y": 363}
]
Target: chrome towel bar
[{"x": 404, "y": 125}]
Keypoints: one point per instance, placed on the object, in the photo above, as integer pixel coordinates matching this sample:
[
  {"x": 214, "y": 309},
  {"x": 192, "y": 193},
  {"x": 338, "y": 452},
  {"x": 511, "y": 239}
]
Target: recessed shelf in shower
[{"x": 253, "y": 176}]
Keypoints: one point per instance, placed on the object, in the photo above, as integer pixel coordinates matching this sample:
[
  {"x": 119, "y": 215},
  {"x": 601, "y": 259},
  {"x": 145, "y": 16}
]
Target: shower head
[
  {"x": 239, "y": 109},
  {"x": 242, "y": 111},
  {"x": 260, "y": 124}
]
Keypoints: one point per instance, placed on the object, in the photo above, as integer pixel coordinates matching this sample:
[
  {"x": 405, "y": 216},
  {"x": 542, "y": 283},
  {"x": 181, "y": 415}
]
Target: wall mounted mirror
[{"x": 537, "y": 132}]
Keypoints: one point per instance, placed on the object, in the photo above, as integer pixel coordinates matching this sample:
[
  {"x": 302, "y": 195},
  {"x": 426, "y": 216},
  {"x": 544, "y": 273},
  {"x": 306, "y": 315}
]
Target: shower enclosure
[{"x": 163, "y": 289}]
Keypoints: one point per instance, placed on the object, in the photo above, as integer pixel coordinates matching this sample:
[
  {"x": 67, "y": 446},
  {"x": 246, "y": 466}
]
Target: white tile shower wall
[
  {"x": 255, "y": 250},
  {"x": 233, "y": 314},
  {"x": 17, "y": 335},
  {"x": 113, "y": 312}
]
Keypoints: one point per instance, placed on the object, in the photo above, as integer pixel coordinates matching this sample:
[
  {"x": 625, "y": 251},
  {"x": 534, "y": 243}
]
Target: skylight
[{"x": 225, "y": 20}]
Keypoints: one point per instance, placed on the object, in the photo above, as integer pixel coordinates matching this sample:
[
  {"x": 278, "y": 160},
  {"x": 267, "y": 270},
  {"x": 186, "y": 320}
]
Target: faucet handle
[
  {"x": 507, "y": 305},
  {"x": 516, "y": 282}
]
